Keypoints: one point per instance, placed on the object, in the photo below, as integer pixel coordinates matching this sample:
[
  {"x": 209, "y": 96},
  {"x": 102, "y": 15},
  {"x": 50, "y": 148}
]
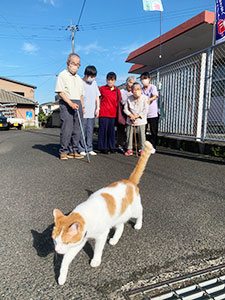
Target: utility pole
[{"x": 73, "y": 28}]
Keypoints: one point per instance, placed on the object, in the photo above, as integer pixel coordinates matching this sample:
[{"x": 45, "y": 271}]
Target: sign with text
[{"x": 220, "y": 21}]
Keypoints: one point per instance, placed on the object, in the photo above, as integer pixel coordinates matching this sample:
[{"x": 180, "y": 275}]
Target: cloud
[
  {"x": 129, "y": 48},
  {"x": 52, "y": 2},
  {"x": 29, "y": 48},
  {"x": 90, "y": 47}
]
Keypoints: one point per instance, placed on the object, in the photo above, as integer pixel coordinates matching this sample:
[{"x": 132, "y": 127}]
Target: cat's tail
[{"x": 139, "y": 169}]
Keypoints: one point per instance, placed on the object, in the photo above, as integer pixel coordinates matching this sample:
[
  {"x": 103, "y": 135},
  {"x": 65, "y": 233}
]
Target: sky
[{"x": 35, "y": 42}]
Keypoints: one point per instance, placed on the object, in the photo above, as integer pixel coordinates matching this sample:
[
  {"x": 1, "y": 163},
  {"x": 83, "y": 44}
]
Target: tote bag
[{"x": 121, "y": 116}]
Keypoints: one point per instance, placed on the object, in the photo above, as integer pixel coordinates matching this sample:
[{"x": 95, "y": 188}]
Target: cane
[
  {"x": 135, "y": 138},
  {"x": 82, "y": 131}
]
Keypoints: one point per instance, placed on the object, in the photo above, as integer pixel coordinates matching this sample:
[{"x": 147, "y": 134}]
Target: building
[
  {"x": 17, "y": 87},
  {"x": 49, "y": 107},
  {"x": 20, "y": 97},
  {"x": 190, "y": 76},
  {"x": 183, "y": 40}
]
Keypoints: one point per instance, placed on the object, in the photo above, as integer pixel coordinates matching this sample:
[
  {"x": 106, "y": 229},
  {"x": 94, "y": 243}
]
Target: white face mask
[
  {"x": 72, "y": 69},
  {"x": 145, "y": 82},
  {"x": 137, "y": 94},
  {"x": 90, "y": 79}
]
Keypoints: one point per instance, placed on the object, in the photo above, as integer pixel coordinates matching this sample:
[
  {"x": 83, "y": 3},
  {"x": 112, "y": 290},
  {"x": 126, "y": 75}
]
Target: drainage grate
[{"x": 201, "y": 285}]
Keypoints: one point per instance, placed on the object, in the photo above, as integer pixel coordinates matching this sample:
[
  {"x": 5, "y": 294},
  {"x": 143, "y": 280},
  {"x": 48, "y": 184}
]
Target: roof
[
  {"x": 183, "y": 40},
  {"x": 47, "y": 103},
  {"x": 18, "y": 82},
  {"x": 10, "y": 97}
]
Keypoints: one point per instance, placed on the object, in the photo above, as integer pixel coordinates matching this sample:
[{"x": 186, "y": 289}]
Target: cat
[{"x": 111, "y": 206}]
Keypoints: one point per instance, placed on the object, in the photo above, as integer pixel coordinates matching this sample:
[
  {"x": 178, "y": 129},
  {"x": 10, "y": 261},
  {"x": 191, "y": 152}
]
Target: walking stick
[
  {"x": 135, "y": 138},
  {"x": 82, "y": 131}
]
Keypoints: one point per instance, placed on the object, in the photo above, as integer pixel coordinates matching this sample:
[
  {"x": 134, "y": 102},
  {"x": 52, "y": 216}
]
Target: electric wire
[{"x": 104, "y": 24}]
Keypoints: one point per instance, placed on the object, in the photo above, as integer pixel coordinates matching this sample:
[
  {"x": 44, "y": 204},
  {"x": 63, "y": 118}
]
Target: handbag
[{"x": 121, "y": 116}]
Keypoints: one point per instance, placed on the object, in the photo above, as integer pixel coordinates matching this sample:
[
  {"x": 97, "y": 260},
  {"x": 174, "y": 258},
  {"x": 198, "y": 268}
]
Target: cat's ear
[
  {"x": 57, "y": 213},
  {"x": 75, "y": 228}
]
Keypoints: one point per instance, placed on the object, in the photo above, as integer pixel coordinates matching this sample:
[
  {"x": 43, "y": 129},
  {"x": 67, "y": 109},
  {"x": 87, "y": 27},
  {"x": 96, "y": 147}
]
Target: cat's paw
[
  {"x": 61, "y": 279},
  {"x": 137, "y": 226},
  {"x": 113, "y": 242},
  {"x": 95, "y": 263}
]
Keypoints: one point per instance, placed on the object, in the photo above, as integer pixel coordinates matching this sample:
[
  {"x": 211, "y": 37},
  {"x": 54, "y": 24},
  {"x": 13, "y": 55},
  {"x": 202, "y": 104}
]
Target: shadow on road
[
  {"x": 211, "y": 160},
  {"x": 52, "y": 149},
  {"x": 43, "y": 242},
  {"x": 40, "y": 133}
]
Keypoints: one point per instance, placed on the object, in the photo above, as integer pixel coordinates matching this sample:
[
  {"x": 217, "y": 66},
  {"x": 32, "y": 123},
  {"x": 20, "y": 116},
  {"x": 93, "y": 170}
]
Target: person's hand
[
  {"x": 132, "y": 117},
  {"x": 136, "y": 117},
  {"x": 74, "y": 105},
  {"x": 97, "y": 113}
]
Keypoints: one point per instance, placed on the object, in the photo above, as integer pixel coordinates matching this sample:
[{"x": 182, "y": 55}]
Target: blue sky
[{"x": 35, "y": 43}]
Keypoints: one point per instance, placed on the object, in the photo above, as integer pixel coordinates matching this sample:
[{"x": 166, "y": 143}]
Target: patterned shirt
[{"x": 135, "y": 107}]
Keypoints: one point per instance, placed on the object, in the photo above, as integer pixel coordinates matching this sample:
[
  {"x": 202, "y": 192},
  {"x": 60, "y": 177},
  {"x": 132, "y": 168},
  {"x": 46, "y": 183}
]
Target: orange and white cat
[{"x": 111, "y": 206}]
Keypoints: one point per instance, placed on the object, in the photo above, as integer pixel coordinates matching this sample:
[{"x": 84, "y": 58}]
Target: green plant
[
  {"x": 41, "y": 116},
  {"x": 218, "y": 151}
]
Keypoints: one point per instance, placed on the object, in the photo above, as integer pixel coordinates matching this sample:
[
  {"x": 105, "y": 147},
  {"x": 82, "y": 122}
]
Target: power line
[
  {"x": 98, "y": 25},
  {"x": 73, "y": 28},
  {"x": 47, "y": 27}
]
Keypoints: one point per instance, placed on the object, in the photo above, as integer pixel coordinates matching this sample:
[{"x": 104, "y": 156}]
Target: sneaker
[
  {"x": 78, "y": 156},
  {"x": 153, "y": 151},
  {"x": 129, "y": 152},
  {"x": 63, "y": 156},
  {"x": 70, "y": 155},
  {"x": 140, "y": 152},
  {"x": 92, "y": 153},
  {"x": 121, "y": 150},
  {"x": 83, "y": 153}
]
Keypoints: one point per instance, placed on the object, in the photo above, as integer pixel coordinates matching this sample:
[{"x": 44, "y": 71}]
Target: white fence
[{"x": 192, "y": 95}]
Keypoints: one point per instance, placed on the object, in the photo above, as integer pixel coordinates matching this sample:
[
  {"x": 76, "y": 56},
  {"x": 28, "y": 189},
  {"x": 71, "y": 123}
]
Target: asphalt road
[{"x": 184, "y": 218}]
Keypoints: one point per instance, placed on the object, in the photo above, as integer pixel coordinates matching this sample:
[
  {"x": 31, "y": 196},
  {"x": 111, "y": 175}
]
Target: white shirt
[
  {"x": 71, "y": 85},
  {"x": 91, "y": 93}
]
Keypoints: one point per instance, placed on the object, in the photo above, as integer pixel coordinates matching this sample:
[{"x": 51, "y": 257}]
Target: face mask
[
  {"x": 145, "y": 82},
  {"x": 90, "y": 80},
  {"x": 137, "y": 94},
  {"x": 72, "y": 69}
]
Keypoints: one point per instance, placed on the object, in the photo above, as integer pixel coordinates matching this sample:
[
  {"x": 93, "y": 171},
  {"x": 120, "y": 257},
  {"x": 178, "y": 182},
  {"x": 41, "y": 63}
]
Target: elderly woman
[
  {"x": 136, "y": 109},
  {"x": 121, "y": 129}
]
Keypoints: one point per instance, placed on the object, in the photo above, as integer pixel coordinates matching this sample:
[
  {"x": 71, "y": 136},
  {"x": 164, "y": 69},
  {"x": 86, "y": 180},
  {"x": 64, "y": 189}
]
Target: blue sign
[
  {"x": 29, "y": 115},
  {"x": 220, "y": 21}
]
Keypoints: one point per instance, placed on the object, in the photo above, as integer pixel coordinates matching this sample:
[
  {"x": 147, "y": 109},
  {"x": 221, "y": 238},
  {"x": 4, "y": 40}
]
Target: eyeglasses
[{"x": 76, "y": 65}]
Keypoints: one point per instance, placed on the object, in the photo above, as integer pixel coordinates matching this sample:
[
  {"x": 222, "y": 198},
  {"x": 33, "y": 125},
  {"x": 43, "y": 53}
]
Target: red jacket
[{"x": 108, "y": 104}]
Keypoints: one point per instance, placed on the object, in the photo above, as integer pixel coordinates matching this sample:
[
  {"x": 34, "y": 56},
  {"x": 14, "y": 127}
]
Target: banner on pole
[
  {"x": 152, "y": 5},
  {"x": 220, "y": 21}
]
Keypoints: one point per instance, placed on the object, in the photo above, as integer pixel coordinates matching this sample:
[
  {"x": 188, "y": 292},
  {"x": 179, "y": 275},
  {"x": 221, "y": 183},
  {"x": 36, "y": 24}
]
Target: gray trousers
[
  {"x": 140, "y": 132},
  {"x": 88, "y": 126},
  {"x": 70, "y": 131}
]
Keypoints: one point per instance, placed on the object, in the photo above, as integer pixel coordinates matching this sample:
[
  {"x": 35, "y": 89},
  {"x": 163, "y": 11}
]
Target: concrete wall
[
  {"x": 16, "y": 87},
  {"x": 22, "y": 109}
]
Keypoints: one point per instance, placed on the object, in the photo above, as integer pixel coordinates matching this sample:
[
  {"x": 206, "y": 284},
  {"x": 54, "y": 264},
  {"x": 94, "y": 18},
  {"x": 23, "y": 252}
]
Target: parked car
[
  {"x": 3, "y": 122},
  {"x": 16, "y": 122}
]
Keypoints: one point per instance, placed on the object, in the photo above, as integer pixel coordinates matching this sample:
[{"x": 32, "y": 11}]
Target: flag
[
  {"x": 152, "y": 5},
  {"x": 220, "y": 21}
]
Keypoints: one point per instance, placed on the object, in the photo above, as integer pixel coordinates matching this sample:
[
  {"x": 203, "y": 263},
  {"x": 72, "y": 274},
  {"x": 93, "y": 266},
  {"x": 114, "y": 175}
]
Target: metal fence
[{"x": 192, "y": 95}]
